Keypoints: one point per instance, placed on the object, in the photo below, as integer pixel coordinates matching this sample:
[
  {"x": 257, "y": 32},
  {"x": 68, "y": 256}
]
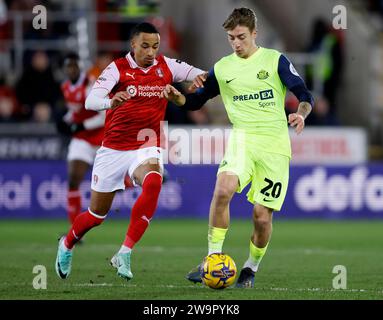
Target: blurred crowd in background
[{"x": 34, "y": 94}]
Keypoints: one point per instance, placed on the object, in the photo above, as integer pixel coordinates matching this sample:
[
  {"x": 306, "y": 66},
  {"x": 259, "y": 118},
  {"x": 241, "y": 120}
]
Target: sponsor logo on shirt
[
  {"x": 132, "y": 90},
  {"x": 145, "y": 91},
  {"x": 262, "y": 95},
  {"x": 99, "y": 79}
]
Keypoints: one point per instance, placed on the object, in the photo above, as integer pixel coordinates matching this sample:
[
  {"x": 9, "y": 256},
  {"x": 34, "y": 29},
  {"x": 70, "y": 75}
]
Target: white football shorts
[
  {"x": 111, "y": 166},
  {"x": 79, "y": 149}
]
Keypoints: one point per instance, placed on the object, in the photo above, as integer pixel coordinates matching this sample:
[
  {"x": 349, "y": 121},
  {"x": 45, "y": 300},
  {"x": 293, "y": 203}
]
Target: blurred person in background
[
  {"x": 129, "y": 89},
  {"x": 103, "y": 59},
  {"x": 320, "y": 116},
  {"x": 9, "y": 105},
  {"x": 36, "y": 85},
  {"x": 42, "y": 113},
  {"x": 325, "y": 73},
  {"x": 375, "y": 6},
  {"x": 7, "y": 110},
  {"x": 86, "y": 128},
  {"x": 252, "y": 83}
]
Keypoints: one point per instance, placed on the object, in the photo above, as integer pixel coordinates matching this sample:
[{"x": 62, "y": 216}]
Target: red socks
[
  {"x": 144, "y": 208},
  {"x": 82, "y": 224},
  {"x": 73, "y": 204},
  {"x": 142, "y": 212}
]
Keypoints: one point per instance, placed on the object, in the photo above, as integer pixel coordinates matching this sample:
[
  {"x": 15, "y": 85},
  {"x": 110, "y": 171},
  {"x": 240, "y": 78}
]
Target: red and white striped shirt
[
  {"x": 75, "y": 95},
  {"x": 136, "y": 123}
]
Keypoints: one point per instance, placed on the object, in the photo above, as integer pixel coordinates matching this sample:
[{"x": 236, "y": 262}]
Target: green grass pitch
[{"x": 298, "y": 264}]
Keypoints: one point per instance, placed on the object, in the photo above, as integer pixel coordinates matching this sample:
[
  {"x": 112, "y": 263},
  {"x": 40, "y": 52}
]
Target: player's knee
[
  {"x": 262, "y": 212},
  {"x": 262, "y": 218},
  {"x": 262, "y": 224},
  {"x": 222, "y": 193}
]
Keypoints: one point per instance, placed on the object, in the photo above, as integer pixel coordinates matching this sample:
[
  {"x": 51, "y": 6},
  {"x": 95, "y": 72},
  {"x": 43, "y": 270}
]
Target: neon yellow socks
[
  {"x": 255, "y": 257},
  {"x": 216, "y": 237}
]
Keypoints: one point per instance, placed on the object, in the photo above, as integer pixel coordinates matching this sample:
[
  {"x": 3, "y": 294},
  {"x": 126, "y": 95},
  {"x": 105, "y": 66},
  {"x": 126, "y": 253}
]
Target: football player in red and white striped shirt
[
  {"x": 86, "y": 128},
  {"x": 129, "y": 89}
]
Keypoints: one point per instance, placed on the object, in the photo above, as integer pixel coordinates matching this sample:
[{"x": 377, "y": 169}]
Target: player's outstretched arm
[
  {"x": 173, "y": 95},
  {"x": 193, "y": 101},
  {"x": 297, "y": 120},
  {"x": 198, "y": 82}
]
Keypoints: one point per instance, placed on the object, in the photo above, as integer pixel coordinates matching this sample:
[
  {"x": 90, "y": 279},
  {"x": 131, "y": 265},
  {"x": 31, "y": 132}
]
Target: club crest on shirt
[
  {"x": 159, "y": 72},
  {"x": 262, "y": 75}
]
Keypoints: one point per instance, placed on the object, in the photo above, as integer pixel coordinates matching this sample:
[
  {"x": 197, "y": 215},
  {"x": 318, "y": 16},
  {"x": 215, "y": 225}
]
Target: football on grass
[{"x": 218, "y": 271}]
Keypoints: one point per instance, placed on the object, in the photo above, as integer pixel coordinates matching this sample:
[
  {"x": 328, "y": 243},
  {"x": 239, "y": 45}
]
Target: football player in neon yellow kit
[{"x": 252, "y": 83}]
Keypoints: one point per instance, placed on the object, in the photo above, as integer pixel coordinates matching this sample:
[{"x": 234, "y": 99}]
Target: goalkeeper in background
[{"x": 252, "y": 83}]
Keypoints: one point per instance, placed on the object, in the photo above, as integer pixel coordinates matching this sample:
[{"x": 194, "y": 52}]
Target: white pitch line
[
  {"x": 91, "y": 247},
  {"x": 256, "y": 288},
  {"x": 200, "y": 287},
  {"x": 320, "y": 290},
  {"x": 131, "y": 285}
]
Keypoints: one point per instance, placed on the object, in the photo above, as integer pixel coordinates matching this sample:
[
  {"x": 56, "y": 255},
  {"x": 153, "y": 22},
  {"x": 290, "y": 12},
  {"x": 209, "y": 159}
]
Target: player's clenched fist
[
  {"x": 173, "y": 95},
  {"x": 119, "y": 98}
]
